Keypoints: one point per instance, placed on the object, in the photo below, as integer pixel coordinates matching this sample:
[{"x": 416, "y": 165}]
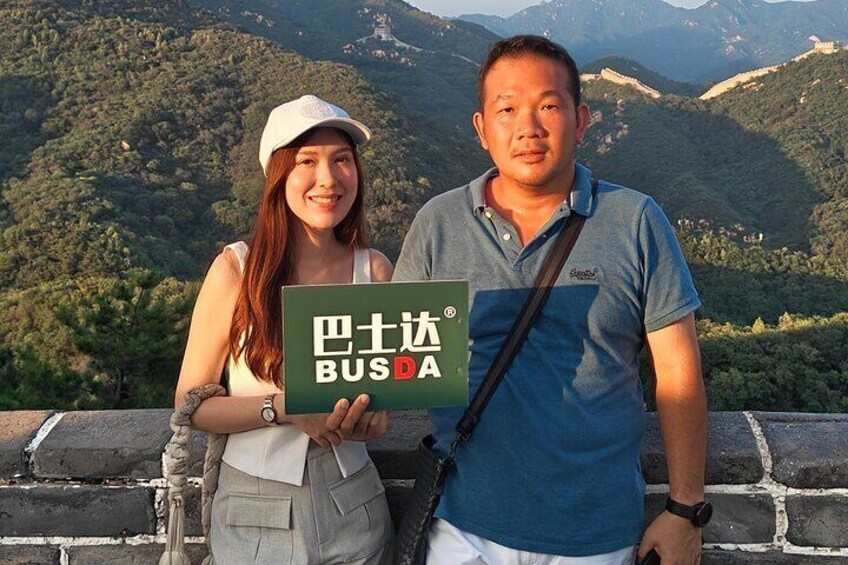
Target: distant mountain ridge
[
  {"x": 429, "y": 81},
  {"x": 709, "y": 43}
]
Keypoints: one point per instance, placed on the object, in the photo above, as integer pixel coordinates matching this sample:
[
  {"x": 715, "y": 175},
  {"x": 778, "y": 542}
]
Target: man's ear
[
  {"x": 477, "y": 120},
  {"x": 584, "y": 118}
]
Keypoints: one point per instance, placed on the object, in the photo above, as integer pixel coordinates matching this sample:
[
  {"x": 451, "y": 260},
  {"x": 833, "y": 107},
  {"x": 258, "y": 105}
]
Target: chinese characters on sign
[{"x": 419, "y": 334}]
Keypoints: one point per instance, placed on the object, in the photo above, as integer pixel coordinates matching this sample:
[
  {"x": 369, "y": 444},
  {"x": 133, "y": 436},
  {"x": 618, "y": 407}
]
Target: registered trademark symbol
[{"x": 450, "y": 312}]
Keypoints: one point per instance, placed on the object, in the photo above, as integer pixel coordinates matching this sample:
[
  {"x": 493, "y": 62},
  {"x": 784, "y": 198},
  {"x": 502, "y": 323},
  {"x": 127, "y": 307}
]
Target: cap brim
[{"x": 359, "y": 133}]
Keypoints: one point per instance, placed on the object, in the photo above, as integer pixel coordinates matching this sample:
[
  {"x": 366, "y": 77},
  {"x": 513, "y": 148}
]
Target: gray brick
[
  {"x": 17, "y": 430},
  {"x": 732, "y": 455},
  {"x": 808, "y": 449},
  {"x": 737, "y": 518},
  {"x": 87, "y": 510},
  {"x": 394, "y": 453},
  {"x": 817, "y": 520},
  {"x": 718, "y": 557},
  {"x": 29, "y": 555},
  {"x": 146, "y": 554},
  {"x": 105, "y": 444}
]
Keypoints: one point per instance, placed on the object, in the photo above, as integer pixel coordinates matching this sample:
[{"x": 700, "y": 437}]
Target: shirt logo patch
[{"x": 583, "y": 274}]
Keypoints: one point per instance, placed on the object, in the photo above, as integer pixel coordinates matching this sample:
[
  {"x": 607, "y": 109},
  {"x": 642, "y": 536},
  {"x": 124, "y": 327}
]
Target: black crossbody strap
[{"x": 521, "y": 327}]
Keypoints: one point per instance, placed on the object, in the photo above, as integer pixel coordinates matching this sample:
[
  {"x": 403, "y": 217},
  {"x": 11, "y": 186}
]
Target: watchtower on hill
[{"x": 828, "y": 47}]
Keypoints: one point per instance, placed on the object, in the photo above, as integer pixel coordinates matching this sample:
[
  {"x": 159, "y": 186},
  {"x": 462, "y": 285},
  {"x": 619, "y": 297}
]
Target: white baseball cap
[{"x": 287, "y": 121}]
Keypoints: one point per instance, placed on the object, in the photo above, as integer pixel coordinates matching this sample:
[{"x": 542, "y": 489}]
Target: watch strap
[
  {"x": 698, "y": 514},
  {"x": 679, "y": 509}
]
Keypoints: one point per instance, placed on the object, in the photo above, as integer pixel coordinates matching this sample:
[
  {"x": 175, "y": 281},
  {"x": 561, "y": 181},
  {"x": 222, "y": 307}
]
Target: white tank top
[{"x": 278, "y": 453}]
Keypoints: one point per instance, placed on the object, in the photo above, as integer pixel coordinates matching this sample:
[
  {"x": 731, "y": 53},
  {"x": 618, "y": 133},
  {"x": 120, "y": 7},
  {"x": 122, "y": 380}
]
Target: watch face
[
  {"x": 703, "y": 513},
  {"x": 268, "y": 415}
]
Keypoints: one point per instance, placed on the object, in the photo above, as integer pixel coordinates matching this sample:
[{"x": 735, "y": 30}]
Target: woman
[{"x": 292, "y": 489}]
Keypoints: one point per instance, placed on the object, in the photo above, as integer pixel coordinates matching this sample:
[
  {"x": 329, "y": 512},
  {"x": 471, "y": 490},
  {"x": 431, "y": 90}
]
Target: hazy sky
[{"x": 502, "y": 7}]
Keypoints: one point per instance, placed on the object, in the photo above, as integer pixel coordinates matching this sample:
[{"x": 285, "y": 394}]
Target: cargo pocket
[
  {"x": 264, "y": 519},
  {"x": 357, "y": 489},
  {"x": 361, "y": 501}
]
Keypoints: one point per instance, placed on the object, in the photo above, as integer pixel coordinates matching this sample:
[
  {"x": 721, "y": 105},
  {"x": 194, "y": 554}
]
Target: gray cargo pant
[{"x": 328, "y": 520}]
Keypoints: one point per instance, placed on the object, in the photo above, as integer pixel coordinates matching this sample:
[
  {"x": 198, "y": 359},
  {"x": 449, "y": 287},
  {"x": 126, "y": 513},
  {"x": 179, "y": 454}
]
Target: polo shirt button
[
  {"x": 487, "y": 214},
  {"x": 507, "y": 237}
]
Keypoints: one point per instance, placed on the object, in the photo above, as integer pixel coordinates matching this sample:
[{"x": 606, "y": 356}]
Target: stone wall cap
[
  {"x": 732, "y": 453},
  {"x": 105, "y": 444},
  {"x": 808, "y": 450}
]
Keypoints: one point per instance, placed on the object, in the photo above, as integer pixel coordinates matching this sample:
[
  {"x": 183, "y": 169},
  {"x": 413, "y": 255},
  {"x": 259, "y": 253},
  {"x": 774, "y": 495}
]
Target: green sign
[{"x": 405, "y": 344}]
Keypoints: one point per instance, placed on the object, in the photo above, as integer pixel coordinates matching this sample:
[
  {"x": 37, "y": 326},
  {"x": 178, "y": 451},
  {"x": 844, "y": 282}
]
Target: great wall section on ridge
[{"x": 821, "y": 47}]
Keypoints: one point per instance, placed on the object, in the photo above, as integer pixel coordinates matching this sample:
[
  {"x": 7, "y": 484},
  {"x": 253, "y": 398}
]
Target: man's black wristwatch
[{"x": 699, "y": 514}]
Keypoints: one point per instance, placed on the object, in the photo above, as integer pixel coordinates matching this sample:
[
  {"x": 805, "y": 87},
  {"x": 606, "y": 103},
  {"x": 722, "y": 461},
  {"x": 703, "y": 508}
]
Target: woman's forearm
[{"x": 229, "y": 414}]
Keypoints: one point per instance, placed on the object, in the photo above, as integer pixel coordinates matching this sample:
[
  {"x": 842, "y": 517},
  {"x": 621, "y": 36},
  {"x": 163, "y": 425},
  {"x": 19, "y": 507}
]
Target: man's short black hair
[{"x": 534, "y": 46}]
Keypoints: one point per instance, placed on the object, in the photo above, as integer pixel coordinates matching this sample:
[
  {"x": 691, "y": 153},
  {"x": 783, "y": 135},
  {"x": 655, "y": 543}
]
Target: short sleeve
[
  {"x": 668, "y": 293},
  {"x": 415, "y": 261}
]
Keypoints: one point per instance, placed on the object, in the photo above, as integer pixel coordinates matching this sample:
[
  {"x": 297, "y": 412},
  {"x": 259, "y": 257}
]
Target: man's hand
[
  {"x": 323, "y": 428},
  {"x": 682, "y": 411},
  {"x": 347, "y": 421},
  {"x": 676, "y": 539},
  {"x": 374, "y": 429},
  {"x": 359, "y": 425}
]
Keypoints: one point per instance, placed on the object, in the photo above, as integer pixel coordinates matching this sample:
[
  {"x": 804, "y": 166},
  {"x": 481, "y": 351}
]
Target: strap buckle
[{"x": 466, "y": 425}]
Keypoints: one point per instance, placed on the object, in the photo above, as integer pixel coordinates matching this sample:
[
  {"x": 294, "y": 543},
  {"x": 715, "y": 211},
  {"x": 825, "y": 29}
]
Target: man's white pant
[{"x": 448, "y": 545}]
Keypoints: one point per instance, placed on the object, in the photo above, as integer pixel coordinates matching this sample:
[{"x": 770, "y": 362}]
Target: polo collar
[{"x": 580, "y": 198}]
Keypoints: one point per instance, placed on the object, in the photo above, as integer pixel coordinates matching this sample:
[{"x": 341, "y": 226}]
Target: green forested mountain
[
  {"x": 795, "y": 365},
  {"x": 430, "y": 74},
  {"x": 128, "y": 157},
  {"x": 768, "y": 157},
  {"x": 804, "y": 108},
  {"x": 131, "y": 135},
  {"x": 764, "y": 159},
  {"x": 145, "y": 139},
  {"x": 740, "y": 284}
]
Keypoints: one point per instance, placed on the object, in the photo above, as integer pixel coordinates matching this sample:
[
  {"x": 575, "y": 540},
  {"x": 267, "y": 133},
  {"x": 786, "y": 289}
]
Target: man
[{"x": 551, "y": 474}]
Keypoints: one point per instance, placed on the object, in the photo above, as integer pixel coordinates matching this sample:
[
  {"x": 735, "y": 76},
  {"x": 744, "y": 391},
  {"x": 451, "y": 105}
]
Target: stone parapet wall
[
  {"x": 87, "y": 487},
  {"x": 618, "y": 78},
  {"x": 736, "y": 80}
]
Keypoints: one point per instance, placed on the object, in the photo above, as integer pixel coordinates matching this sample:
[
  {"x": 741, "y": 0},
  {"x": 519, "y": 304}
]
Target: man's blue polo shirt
[{"x": 553, "y": 466}]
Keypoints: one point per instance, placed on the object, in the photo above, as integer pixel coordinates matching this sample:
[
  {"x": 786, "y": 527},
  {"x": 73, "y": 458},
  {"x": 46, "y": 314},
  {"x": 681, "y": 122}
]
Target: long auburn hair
[{"x": 256, "y": 330}]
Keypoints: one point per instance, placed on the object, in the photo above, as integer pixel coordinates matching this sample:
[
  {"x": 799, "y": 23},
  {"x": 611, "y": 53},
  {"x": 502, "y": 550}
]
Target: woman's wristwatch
[{"x": 269, "y": 415}]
